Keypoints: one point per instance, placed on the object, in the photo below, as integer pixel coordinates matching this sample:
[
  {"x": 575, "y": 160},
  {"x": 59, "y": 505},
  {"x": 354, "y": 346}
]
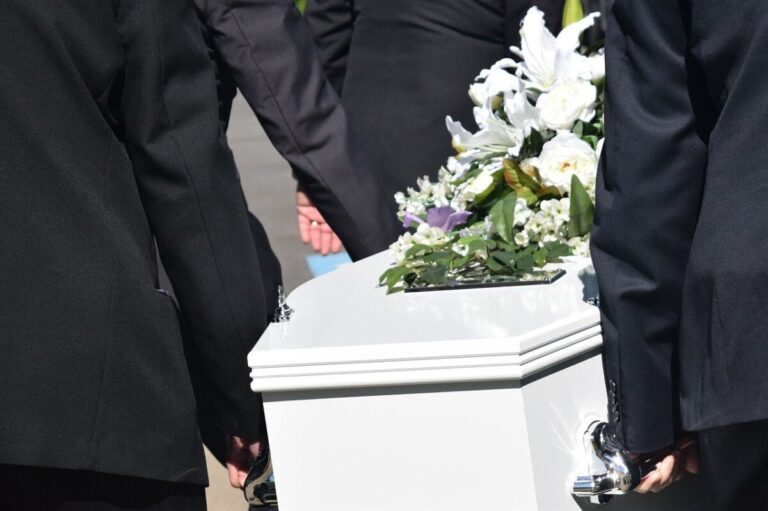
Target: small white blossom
[
  {"x": 522, "y": 212},
  {"x": 522, "y": 239},
  {"x": 579, "y": 246},
  {"x": 429, "y": 236},
  {"x": 476, "y": 229},
  {"x": 400, "y": 247}
]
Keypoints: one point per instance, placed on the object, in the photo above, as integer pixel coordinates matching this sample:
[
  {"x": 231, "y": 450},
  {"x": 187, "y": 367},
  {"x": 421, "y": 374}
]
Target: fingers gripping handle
[{"x": 619, "y": 473}]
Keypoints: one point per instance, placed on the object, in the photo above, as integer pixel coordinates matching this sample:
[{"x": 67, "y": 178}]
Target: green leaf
[
  {"x": 506, "y": 258},
  {"x": 494, "y": 265},
  {"x": 540, "y": 257},
  {"x": 525, "y": 262},
  {"x": 516, "y": 178},
  {"x": 532, "y": 145},
  {"x": 582, "y": 210},
  {"x": 418, "y": 250},
  {"x": 528, "y": 196},
  {"x": 394, "y": 275},
  {"x": 473, "y": 244},
  {"x": 549, "y": 192},
  {"x": 578, "y": 129},
  {"x": 503, "y": 216},
  {"x": 461, "y": 261},
  {"x": 557, "y": 251},
  {"x": 436, "y": 274},
  {"x": 443, "y": 257},
  {"x": 591, "y": 140}
]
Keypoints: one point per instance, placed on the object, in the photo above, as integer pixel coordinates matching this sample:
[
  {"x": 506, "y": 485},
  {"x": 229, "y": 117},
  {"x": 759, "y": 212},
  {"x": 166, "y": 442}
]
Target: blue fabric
[{"x": 320, "y": 265}]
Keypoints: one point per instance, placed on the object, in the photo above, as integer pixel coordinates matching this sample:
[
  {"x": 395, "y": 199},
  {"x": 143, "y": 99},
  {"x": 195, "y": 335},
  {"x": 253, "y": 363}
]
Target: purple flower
[
  {"x": 409, "y": 219},
  {"x": 443, "y": 217}
]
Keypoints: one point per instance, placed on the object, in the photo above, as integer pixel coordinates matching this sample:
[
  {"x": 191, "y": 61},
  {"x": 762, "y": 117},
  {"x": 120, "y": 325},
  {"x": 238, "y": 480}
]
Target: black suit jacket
[
  {"x": 265, "y": 49},
  {"x": 680, "y": 236},
  {"x": 401, "y": 66},
  {"x": 111, "y": 138}
]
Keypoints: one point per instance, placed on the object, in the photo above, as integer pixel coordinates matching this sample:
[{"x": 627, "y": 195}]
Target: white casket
[{"x": 445, "y": 400}]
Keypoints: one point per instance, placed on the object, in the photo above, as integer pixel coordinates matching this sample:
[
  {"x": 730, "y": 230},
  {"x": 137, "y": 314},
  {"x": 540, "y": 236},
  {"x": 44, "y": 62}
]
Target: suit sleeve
[
  {"x": 648, "y": 197},
  {"x": 267, "y": 47},
  {"x": 331, "y": 22},
  {"x": 192, "y": 197}
]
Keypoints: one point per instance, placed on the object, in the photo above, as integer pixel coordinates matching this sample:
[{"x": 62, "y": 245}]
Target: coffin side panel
[{"x": 414, "y": 448}]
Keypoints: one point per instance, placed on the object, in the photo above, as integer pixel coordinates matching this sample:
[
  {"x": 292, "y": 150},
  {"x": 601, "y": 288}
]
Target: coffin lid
[{"x": 347, "y": 332}]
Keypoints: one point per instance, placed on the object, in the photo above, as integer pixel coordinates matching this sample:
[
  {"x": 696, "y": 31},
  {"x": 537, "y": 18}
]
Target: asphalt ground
[{"x": 269, "y": 188}]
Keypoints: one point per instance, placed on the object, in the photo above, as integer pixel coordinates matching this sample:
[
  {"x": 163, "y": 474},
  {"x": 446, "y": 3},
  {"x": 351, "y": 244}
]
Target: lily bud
[{"x": 572, "y": 12}]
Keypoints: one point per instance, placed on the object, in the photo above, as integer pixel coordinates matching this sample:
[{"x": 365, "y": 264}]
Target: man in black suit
[
  {"x": 680, "y": 239},
  {"x": 402, "y": 66},
  {"x": 264, "y": 48},
  {"x": 111, "y": 142}
]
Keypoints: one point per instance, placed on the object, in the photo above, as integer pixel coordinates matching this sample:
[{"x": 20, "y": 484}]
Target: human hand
[
  {"x": 313, "y": 228},
  {"x": 683, "y": 459},
  {"x": 240, "y": 454}
]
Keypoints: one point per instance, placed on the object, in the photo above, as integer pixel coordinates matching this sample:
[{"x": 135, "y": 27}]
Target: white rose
[
  {"x": 597, "y": 66},
  {"x": 567, "y": 102},
  {"x": 564, "y": 156}
]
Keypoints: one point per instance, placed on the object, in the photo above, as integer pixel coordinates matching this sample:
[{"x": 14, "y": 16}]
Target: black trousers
[
  {"x": 734, "y": 461},
  {"x": 46, "y": 489}
]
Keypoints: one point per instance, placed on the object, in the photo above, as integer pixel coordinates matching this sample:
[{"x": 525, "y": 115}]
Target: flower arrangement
[{"x": 519, "y": 193}]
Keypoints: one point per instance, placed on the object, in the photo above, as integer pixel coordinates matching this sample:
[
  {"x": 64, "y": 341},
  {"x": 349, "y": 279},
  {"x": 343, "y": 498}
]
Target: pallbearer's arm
[
  {"x": 267, "y": 47},
  {"x": 648, "y": 197},
  {"x": 192, "y": 197},
  {"x": 331, "y": 22}
]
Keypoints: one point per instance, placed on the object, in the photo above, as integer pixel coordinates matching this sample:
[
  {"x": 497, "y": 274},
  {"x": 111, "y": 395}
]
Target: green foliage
[
  {"x": 503, "y": 216},
  {"x": 533, "y": 144},
  {"x": 301, "y": 5},
  {"x": 582, "y": 210}
]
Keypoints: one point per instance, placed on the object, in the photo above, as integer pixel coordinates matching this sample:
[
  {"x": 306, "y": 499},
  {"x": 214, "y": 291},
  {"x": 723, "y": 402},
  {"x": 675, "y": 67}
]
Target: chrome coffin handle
[
  {"x": 259, "y": 488},
  {"x": 621, "y": 472}
]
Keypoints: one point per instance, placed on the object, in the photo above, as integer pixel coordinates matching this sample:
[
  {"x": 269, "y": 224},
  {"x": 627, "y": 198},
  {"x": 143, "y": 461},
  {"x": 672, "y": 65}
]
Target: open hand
[
  {"x": 313, "y": 228},
  {"x": 682, "y": 460},
  {"x": 240, "y": 454}
]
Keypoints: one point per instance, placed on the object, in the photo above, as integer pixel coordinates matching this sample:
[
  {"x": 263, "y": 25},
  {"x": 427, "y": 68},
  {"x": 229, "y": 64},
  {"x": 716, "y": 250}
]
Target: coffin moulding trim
[{"x": 439, "y": 369}]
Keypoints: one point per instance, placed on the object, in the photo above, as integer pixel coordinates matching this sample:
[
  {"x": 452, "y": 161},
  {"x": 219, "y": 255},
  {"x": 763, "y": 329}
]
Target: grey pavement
[{"x": 269, "y": 188}]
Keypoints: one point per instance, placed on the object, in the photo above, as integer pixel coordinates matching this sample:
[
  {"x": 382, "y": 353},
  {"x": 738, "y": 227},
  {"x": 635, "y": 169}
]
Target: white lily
[
  {"x": 521, "y": 114},
  {"x": 546, "y": 58},
  {"x": 494, "y": 81},
  {"x": 494, "y": 137}
]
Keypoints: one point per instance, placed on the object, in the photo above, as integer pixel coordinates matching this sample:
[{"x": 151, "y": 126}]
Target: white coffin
[{"x": 446, "y": 400}]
